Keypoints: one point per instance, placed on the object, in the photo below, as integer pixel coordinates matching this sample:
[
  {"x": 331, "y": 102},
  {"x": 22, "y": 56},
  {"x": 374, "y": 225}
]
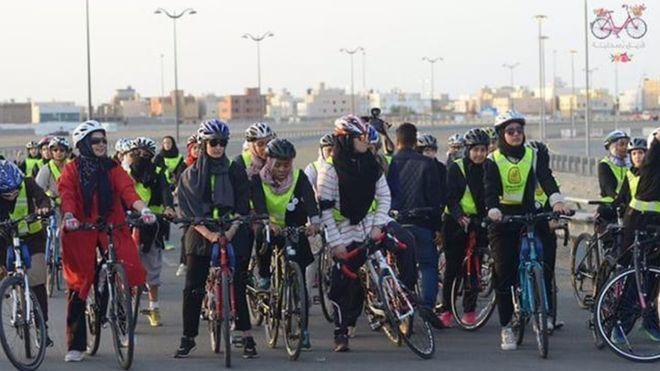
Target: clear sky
[{"x": 43, "y": 45}]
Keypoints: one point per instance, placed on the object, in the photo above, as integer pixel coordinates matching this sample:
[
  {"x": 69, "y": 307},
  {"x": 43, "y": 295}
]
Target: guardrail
[{"x": 580, "y": 165}]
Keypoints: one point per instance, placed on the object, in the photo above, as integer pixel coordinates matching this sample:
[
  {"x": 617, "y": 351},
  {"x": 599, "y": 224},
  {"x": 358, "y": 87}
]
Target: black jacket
[
  {"x": 607, "y": 181},
  {"x": 648, "y": 188},
  {"x": 456, "y": 184},
  {"x": 417, "y": 179}
]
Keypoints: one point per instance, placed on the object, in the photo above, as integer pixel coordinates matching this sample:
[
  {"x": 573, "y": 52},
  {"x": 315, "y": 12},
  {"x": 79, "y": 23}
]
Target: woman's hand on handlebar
[
  {"x": 70, "y": 222},
  {"x": 275, "y": 229},
  {"x": 312, "y": 229},
  {"x": 169, "y": 213},
  {"x": 376, "y": 233},
  {"x": 339, "y": 252},
  {"x": 495, "y": 215},
  {"x": 464, "y": 221},
  {"x": 561, "y": 208}
]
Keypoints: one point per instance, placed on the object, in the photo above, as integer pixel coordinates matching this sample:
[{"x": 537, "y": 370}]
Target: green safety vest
[
  {"x": 513, "y": 176},
  {"x": 336, "y": 213},
  {"x": 31, "y": 164},
  {"x": 247, "y": 158},
  {"x": 55, "y": 173},
  {"x": 467, "y": 203},
  {"x": 145, "y": 194},
  {"x": 170, "y": 166},
  {"x": 277, "y": 204},
  {"x": 619, "y": 173},
  {"x": 643, "y": 206},
  {"x": 20, "y": 211},
  {"x": 633, "y": 182},
  {"x": 388, "y": 159}
]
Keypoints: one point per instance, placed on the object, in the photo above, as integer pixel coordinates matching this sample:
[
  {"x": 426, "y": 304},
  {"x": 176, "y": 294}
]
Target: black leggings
[{"x": 347, "y": 294}]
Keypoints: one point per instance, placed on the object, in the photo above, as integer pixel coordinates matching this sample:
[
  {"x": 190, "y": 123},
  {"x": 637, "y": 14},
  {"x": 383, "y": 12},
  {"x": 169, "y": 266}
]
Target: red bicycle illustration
[{"x": 603, "y": 26}]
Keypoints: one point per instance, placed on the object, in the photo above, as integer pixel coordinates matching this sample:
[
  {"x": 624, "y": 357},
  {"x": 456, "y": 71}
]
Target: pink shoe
[
  {"x": 446, "y": 318},
  {"x": 469, "y": 318}
]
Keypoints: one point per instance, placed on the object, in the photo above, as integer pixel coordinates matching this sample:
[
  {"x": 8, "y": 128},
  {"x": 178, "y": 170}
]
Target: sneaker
[
  {"x": 652, "y": 333},
  {"x": 508, "y": 339},
  {"x": 264, "y": 283},
  {"x": 181, "y": 271},
  {"x": 429, "y": 316},
  {"x": 186, "y": 347},
  {"x": 447, "y": 317},
  {"x": 169, "y": 246},
  {"x": 341, "y": 343},
  {"x": 469, "y": 318},
  {"x": 74, "y": 356},
  {"x": 249, "y": 347},
  {"x": 154, "y": 317},
  {"x": 49, "y": 342},
  {"x": 617, "y": 336},
  {"x": 352, "y": 331},
  {"x": 306, "y": 344}
]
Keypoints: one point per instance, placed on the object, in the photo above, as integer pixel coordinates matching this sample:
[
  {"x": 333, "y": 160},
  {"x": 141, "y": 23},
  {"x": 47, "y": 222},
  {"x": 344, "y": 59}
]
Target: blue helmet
[
  {"x": 11, "y": 176},
  {"x": 372, "y": 135},
  {"x": 213, "y": 129}
]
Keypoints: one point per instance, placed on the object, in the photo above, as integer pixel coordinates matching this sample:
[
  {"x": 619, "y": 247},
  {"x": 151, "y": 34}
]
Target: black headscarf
[
  {"x": 94, "y": 178},
  {"x": 357, "y": 174},
  {"x": 172, "y": 152},
  {"x": 517, "y": 152},
  {"x": 144, "y": 171}
]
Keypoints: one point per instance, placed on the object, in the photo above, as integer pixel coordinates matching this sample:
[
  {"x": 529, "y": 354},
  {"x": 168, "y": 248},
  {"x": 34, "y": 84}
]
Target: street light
[
  {"x": 89, "y": 65},
  {"x": 573, "y": 96},
  {"x": 587, "y": 106},
  {"x": 174, "y": 16},
  {"x": 351, "y": 52},
  {"x": 540, "y": 18},
  {"x": 258, "y": 40},
  {"x": 432, "y": 64},
  {"x": 511, "y": 67}
]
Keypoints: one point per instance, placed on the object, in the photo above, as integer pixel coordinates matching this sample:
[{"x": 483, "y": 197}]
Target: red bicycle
[{"x": 603, "y": 26}]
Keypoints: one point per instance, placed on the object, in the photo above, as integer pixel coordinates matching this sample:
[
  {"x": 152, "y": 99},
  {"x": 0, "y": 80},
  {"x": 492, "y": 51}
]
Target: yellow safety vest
[
  {"x": 145, "y": 194},
  {"x": 467, "y": 203},
  {"x": 514, "y": 176},
  {"x": 55, "y": 173},
  {"x": 388, "y": 159},
  {"x": 619, "y": 173},
  {"x": 277, "y": 205},
  {"x": 31, "y": 164},
  {"x": 643, "y": 206},
  {"x": 247, "y": 158},
  {"x": 170, "y": 166},
  {"x": 20, "y": 211}
]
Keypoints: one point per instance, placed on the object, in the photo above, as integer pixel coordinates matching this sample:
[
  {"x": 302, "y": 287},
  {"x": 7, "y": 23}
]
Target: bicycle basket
[
  {"x": 600, "y": 12},
  {"x": 638, "y": 10}
]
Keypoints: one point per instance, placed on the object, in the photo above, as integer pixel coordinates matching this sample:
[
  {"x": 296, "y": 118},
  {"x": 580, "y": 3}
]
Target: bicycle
[
  {"x": 603, "y": 26},
  {"x": 25, "y": 321},
  {"x": 393, "y": 299},
  {"x": 475, "y": 285},
  {"x": 629, "y": 295},
  {"x": 219, "y": 303},
  {"x": 110, "y": 299},
  {"x": 54, "y": 277},
  {"x": 325, "y": 280},
  {"x": 529, "y": 295}
]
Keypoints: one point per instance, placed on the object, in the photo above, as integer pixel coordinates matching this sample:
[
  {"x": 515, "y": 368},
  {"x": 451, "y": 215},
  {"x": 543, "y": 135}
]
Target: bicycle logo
[{"x": 604, "y": 26}]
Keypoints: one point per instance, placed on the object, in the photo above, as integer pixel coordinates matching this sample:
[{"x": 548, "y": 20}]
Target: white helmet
[
  {"x": 507, "y": 117},
  {"x": 146, "y": 144},
  {"x": 84, "y": 129},
  {"x": 651, "y": 138},
  {"x": 123, "y": 145},
  {"x": 259, "y": 130}
]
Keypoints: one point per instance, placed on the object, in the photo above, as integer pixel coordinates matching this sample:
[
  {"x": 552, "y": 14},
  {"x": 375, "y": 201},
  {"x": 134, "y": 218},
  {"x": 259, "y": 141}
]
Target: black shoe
[
  {"x": 341, "y": 343},
  {"x": 249, "y": 347},
  {"x": 186, "y": 347},
  {"x": 429, "y": 316},
  {"x": 49, "y": 342}
]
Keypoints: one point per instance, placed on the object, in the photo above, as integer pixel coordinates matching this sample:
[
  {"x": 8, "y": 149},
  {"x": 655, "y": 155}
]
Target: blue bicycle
[
  {"x": 54, "y": 277},
  {"x": 530, "y": 300}
]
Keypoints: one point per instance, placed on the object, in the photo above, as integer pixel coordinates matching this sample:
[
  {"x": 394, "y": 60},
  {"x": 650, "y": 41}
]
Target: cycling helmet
[
  {"x": 637, "y": 143},
  {"x": 123, "y": 145},
  {"x": 31, "y": 144},
  {"x": 651, "y": 137},
  {"x": 476, "y": 137},
  {"x": 213, "y": 129},
  {"x": 491, "y": 133},
  {"x": 426, "y": 140},
  {"x": 192, "y": 140},
  {"x": 84, "y": 129},
  {"x": 327, "y": 140},
  {"x": 259, "y": 130},
  {"x": 281, "y": 149},
  {"x": 10, "y": 176},
  {"x": 146, "y": 144},
  {"x": 350, "y": 125},
  {"x": 507, "y": 117},
  {"x": 456, "y": 140},
  {"x": 45, "y": 141},
  {"x": 59, "y": 141},
  {"x": 372, "y": 135},
  {"x": 614, "y": 136},
  {"x": 538, "y": 146}
]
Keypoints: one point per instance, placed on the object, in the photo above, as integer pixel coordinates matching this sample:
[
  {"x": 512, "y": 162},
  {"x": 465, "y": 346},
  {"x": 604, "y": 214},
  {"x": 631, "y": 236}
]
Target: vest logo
[{"x": 514, "y": 176}]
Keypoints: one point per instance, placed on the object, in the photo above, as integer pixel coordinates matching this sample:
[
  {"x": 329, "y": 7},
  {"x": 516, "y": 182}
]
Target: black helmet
[
  {"x": 282, "y": 149},
  {"x": 637, "y": 143},
  {"x": 328, "y": 140},
  {"x": 476, "y": 137}
]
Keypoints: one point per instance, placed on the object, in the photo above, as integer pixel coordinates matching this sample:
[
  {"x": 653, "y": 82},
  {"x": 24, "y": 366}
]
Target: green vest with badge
[
  {"x": 277, "y": 205},
  {"x": 31, "y": 164},
  {"x": 21, "y": 210},
  {"x": 467, "y": 203},
  {"x": 619, "y": 173},
  {"x": 643, "y": 206},
  {"x": 514, "y": 176},
  {"x": 145, "y": 194},
  {"x": 171, "y": 163}
]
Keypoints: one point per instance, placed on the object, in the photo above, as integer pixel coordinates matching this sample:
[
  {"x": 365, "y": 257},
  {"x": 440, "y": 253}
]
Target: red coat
[{"x": 79, "y": 247}]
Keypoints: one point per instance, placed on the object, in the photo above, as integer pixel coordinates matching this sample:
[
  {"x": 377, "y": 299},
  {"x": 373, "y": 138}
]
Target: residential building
[
  {"x": 651, "y": 94},
  {"x": 248, "y": 106},
  {"x": 15, "y": 113},
  {"x": 164, "y": 107},
  {"x": 56, "y": 112},
  {"x": 328, "y": 102},
  {"x": 282, "y": 106}
]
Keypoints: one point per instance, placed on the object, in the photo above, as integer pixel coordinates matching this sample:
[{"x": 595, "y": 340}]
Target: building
[
  {"x": 602, "y": 103},
  {"x": 164, "y": 107},
  {"x": 250, "y": 106},
  {"x": 15, "y": 113},
  {"x": 209, "y": 106},
  {"x": 56, "y": 112},
  {"x": 397, "y": 102},
  {"x": 651, "y": 95},
  {"x": 282, "y": 107},
  {"x": 328, "y": 103}
]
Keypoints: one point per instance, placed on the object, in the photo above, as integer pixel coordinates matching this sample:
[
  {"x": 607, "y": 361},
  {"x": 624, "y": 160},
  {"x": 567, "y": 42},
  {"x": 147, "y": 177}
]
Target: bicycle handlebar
[
  {"x": 368, "y": 245},
  {"x": 532, "y": 218},
  {"x": 412, "y": 213},
  {"x": 31, "y": 218},
  {"x": 132, "y": 220},
  {"x": 224, "y": 222}
]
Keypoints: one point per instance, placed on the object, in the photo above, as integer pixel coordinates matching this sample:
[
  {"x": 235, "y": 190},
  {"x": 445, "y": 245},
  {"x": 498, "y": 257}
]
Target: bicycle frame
[
  {"x": 376, "y": 263},
  {"x": 525, "y": 268},
  {"x": 613, "y": 27},
  {"x": 214, "y": 279}
]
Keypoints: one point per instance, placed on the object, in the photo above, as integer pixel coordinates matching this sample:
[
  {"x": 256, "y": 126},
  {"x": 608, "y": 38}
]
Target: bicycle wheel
[
  {"x": 540, "y": 315},
  {"x": 294, "y": 310},
  {"x": 136, "y": 305},
  {"x": 251, "y": 293},
  {"x": 93, "y": 319},
  {"x": 413, "y": 329},
  {"x": 584, "y": 264},
  {"x": 600, "y": 28},
  {"x": 518, "y": 320},
  {"x": 462, "y": 295},
  {"x": 121, "y": 317},
  {"x": 622, "y": 321},
  {"x": 604, "y": 272},
  {"x": 226, "y": 315},
  {"x": 272, "y": 320},
  {"x": 210, "y": 310},
  {"x": 636, "y": 28},
  {"x": 374, "y": 309},
  {"x": 325, "y": 279},
  {"x": 21, "y": 322},
  {"x": 51, "y": 272}
]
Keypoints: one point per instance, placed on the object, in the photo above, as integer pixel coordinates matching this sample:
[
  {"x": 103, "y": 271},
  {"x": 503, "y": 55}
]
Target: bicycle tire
[
  {"x": 121, "y": 317},
  {"x": 577, "y": 273},
  {"x": 294, "y": 310},
  {"x": 211, "y": 308},
  {"x": 272, "y": 319},
  {"x": 518, "y": 323},
  {"x": 325, "y": 280},
  {"x": 136, "y": 305},
  {"x": 540, "y": 315},
  {"x": 252, "y": 296},
  {"x": 51, "y": 277},
  {"x": 93, "y": 319},
  {"x": 15, "y": 284},
  {"x": 597, "y": 29},
  {"x": 639, "y": 26},
  {"x": 619, "y": 281},
  {"x": 457, "y": 290},
  {"x": 553, "y": 304},
  {"x": 372, "y": 299},
  {"x": 226, "y": 315},
  {"x": 604, "y": 272}
]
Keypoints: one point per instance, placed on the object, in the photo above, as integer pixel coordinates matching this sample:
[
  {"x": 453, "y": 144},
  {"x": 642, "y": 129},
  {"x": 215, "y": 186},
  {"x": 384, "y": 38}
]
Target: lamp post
[
  {"x": 174, "y": 16},
  {"x": 587, "y": 106},
  {"x": 89, "y": 65},
  {"x": 573, "y": 96},
  {"x": 540, "y": 18},
  {"x": 432, "y": 64},
  {"x": 258, "y": 40},
  {"x": 352, "y": 52},
  {"x": 511, "y": 67}
]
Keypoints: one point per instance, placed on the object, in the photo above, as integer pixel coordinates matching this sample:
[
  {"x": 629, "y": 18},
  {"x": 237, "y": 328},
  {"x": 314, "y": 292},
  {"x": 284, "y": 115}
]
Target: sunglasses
[
  {"x": 514, "y": 131},
  {"x": 95, "y": 141},
  {"x": 218, "y": 142},
  {"x": 58, "y": 149}
]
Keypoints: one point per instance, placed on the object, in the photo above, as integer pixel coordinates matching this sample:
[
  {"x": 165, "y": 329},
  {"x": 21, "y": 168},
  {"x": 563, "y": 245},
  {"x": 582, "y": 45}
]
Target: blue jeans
[{"x": 427, "y": 260}]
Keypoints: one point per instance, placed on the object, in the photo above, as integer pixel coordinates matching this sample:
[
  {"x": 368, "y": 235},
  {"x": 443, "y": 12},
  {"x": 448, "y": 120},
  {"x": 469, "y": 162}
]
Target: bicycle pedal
[{"x": 589, "y": 300}]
